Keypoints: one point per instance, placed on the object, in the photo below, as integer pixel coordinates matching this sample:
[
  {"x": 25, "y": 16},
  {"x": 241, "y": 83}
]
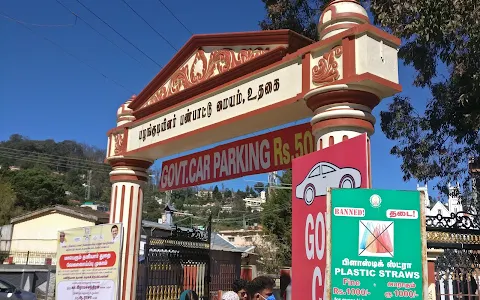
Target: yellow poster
[{"x": 88, "y": 263}]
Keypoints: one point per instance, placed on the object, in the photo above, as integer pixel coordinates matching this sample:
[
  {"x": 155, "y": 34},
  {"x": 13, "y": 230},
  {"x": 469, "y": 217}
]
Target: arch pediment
[{"x": 213, "y": 57}]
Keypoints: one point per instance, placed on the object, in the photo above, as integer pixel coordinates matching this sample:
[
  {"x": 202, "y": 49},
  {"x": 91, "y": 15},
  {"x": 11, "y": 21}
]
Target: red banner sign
[
  {"x": 88, "y": 260},
  {"x": 344, "y": 165},
  {"x": 264, "y": 153}
]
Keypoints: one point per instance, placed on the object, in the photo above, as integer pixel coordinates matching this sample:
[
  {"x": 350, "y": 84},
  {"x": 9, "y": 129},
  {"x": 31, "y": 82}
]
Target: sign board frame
[
  {"x": 348, "y": 161},
  {"x": 89, "y": 248},
  {"x": 422, "y": 235}
]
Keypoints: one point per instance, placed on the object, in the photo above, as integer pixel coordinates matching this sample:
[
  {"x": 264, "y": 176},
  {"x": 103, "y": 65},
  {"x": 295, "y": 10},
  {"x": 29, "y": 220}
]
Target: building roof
[
  {"x": 217, "y": 242},
  {"x": 84, "y": 213}
]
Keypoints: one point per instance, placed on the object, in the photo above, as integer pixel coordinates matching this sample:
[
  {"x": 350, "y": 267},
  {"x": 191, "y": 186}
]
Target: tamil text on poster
[
  {"x": 88, "y": 263},
  {"x": 376, "y": 244}
]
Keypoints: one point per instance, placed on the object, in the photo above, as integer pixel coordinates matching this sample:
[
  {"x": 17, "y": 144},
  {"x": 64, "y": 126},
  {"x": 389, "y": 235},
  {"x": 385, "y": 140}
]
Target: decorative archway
[{"x": 221, "y": 86}]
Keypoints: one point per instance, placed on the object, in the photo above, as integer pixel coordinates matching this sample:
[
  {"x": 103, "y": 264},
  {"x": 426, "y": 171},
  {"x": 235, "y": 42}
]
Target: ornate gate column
[
  {"x": 340, "y": 114},
  {"x": 128, "y": 177},
  {"x": 350, "y": 74}
]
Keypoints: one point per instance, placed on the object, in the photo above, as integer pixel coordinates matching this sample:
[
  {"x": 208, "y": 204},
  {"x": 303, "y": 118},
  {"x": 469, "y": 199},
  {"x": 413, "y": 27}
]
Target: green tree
[
  {"x": 74, "y": 184},
  {"x": 152, "y": 209},
  {"x": 228, "y": 194},
  {"x": 240, "y": 194},
  {"x": 277, "y": 220},
  {"x": 216, "y": 194},
  {"x": 7, "y": 202},
  {"x": 250, "y": 192},
  {"x": 300, "y": 16},
  {"x": 37, "y": 188},
  {"x": 67, "y": 158},
  {"x": 238, "y": 208},
  {"x": 441, "y": 42}
]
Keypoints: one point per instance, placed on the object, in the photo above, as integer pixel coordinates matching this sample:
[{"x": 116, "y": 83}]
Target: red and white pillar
[
  {"x": 128, "y": 178},
  {"x": 340, "y": 114},
  {"x": 341, "y": 111}
]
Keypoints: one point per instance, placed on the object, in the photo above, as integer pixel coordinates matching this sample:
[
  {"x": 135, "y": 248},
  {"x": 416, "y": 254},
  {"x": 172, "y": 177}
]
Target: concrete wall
[
  {"x": 36, "y": 279},
  {"x": 41, "y": 234}
]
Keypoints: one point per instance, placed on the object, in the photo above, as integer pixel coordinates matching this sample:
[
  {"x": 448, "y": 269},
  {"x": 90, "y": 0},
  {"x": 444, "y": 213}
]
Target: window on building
[
  {"x": 248, "y": 239},
  {"x": 231, "y": 239}
]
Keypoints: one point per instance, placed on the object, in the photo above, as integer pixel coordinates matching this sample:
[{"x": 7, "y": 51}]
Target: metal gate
[
  {"x": 176, "y": 263},
  {"x": 457, "y": 270}
]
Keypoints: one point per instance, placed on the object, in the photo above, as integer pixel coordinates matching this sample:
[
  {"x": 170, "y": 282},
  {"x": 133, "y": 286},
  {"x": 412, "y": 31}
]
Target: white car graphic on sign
[{"x": 324, "y": 175}]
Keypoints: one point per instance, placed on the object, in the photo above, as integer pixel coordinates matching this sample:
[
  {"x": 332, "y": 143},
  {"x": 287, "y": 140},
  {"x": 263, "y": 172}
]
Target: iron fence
[
  {"x": 28, "y": 258},
  {"x": 457, "y": 270},
  {"x": 176, "y": 263}
]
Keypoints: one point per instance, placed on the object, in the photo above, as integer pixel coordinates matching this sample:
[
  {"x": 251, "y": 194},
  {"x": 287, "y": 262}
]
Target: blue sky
[{"x": 45, "y": 93}]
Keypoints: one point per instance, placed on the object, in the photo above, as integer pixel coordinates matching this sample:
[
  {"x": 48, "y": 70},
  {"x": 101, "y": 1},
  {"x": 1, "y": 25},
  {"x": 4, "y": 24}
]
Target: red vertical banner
[{"x": 344, "y": 165}]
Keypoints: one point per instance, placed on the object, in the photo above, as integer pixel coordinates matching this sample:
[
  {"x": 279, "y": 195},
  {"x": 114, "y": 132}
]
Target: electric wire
[
  {"x": 122, "y": 36},
  {"x": 52, "y": 156},
  {"x": 151, "y": 27},
  {"x": 98, "y": 32},
  {"x": 175, "y": 17},
  {"x": 39, "y": 25},
  {"x": 51, "y": 164},
  {"x": 77, "y": 58}
]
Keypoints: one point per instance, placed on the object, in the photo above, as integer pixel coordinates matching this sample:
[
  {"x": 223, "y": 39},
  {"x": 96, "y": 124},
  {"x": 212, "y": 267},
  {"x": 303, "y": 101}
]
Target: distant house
[
  {"x": 204, "y": 193},
  {"x": 245, "y": 238},
  {"x": 95, "y": 206},
  {"x": 453, "y": 205},
  {"x": 255, "y": 204},
  {"x": 37, "y": 232}
]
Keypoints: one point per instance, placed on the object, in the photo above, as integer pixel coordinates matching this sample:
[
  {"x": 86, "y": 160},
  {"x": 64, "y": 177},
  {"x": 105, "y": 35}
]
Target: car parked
[{"x": 10, "y": 292}]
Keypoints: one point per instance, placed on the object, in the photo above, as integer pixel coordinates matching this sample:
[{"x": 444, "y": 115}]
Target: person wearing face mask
[{"x": 261, "y": 288}]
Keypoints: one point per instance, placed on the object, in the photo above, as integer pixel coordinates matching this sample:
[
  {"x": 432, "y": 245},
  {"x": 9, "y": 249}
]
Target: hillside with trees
[
  {"x": 40, "y": 173},
  {"x": 35, "y": 174}
]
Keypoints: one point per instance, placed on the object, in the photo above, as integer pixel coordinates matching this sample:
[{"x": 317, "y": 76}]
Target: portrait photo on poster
[{"x": 324, "y": 175}]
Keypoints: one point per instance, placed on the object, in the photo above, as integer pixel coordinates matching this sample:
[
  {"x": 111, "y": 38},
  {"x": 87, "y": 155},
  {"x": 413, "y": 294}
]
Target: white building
[
  {"x": 255, "y": 204},
  {"x": 453, "y": 204},
  {"x": 243, "y": 237},
  {"x": 204, "y": 193}
]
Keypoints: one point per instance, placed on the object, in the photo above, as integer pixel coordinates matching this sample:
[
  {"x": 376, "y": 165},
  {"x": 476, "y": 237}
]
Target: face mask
[{"x": 271, "y": 297}]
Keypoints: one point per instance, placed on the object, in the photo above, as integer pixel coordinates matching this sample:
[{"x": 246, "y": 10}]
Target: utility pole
[
  {"x": 89, "y": 183},
  {"x": 168, "y": 196},
  {"x": 152, "y": 182},
  {"x": 244, "y": 222}
]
